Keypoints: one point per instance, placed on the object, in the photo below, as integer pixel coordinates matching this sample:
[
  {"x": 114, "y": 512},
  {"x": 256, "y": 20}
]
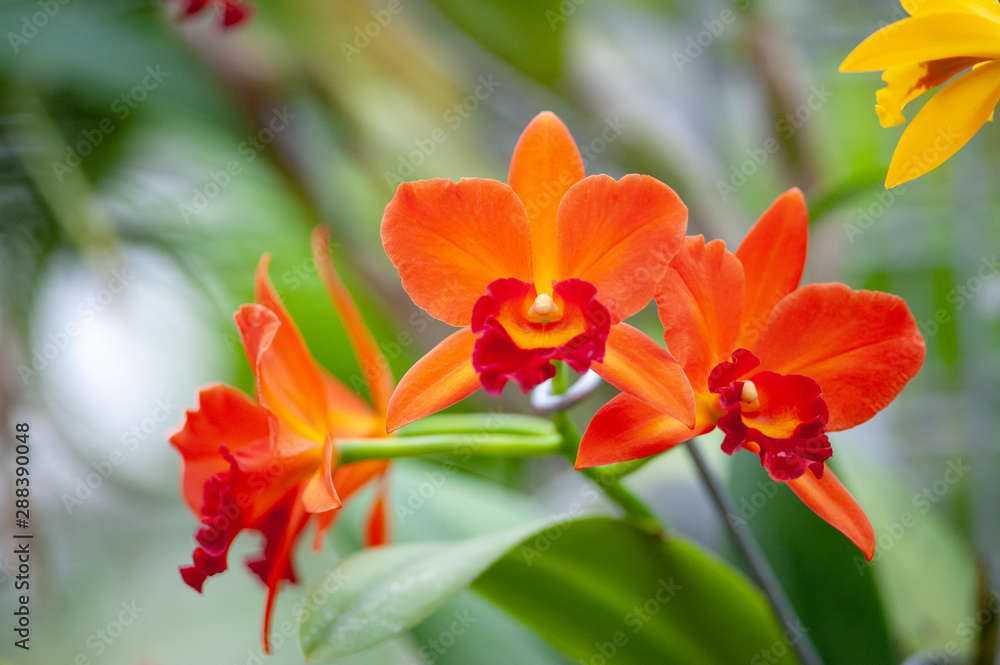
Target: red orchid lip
[
  {"x": 549, "y": 224},
  {"x": 269, "y": 464},
  {"x": 782, "y": 416},
  {"x": 514, "y": 344}
]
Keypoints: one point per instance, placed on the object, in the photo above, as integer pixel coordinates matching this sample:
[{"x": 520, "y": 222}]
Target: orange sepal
[
  {"x": 620, "y": 237},
  {"x": 450, "y": 240},
  {"x": 545, "y": 164},
  {"x": 773, "y": 255},
  {"x": 637, "y": 365},
  {"x": 627, "y": 428},
  {"x": 829, "y": 499},
  {"x": 699, "y": 300},
  {"x": 442, "y": 377},
  {"x": 319, "y": 494},
  {"x": 224, "y": 417},
  {"x": 297, "y": 519},
  {"x": 280, "y": 359},
  {"x": 374, "y": 368},
  {"x": 377, "y": 532},
  {"x": 287, "y": 384},
  {"x": 861, "y": 347}
]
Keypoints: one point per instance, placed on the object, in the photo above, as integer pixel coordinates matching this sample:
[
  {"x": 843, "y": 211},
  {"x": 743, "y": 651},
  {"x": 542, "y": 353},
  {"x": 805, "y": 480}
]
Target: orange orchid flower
[
  {"x": 775, "y": 366},
  {"x": 269, "y": 464},
  {"x": 543, "y": 268}
]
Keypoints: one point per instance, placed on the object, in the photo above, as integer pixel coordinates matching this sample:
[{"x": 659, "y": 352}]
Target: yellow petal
[
  {"x": 906, "y": 83},
  {"x": 946, "y": 123},
  {"x": 926, "y": 37},
  {"x": 985, "y": 7}
]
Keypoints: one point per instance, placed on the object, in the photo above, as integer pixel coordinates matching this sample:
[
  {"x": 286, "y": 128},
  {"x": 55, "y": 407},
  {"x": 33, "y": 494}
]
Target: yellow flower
[{"x": 940, "y": 38}]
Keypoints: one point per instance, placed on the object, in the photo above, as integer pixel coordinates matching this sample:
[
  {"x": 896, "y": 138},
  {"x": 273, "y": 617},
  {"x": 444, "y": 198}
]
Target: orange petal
[
  {"x": 545, "y": 164},
  {"x": 627, "y": 428},
  {"x": 290, "y": 383},
  {"x": 773, "y": 255},
  {"x": 449, "y": 241},
  {"x": 378, "y": 524},
  {"x": 265, "y": 478},
  {"x": 324, "y": 522},
  {"x": 442, "y": 377},
  {"x": 830, "y": 500},
  {"x": 352, "y": 477},
  {"x": 620, "y": 237},
  {"x": 860, "y": 346},
  {"x": 347, "y": 414},
  {"x": 700, "y": 299},
  {"x": 319, "y": 494},
  {"x": 224, "y": 417},
  {"x": 374, "y": 367},
  {"x": 637, "y": 365},
  {"x": 296, "y": 522}
]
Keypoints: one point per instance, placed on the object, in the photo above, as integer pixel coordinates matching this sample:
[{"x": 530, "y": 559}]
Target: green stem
[
  {"x": 755, "y": 558},
  {"x": 493, "y": 423},
  {"x": 507, "y": 445},
  {"x": 608, "y": 481}
]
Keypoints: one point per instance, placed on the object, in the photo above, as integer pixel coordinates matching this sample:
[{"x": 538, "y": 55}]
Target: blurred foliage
[{"x": 176, "y": 154}]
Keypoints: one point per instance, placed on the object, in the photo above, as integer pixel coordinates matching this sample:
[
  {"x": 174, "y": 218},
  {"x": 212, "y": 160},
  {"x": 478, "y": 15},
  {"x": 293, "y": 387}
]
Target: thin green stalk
[
  {"x": 633, "y": 506},
  {"x": 505, "y": 445},
  {"x": 755, "y": 558},
  {"x": 493, "y": 423}
]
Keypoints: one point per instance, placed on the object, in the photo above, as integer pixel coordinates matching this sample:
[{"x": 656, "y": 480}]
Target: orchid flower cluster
[{"x": 546, "y": 268}]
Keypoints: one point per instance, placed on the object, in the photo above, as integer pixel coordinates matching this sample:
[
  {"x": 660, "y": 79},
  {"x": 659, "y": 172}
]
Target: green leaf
[
  {"x": 602, "y": 588},
  {"x": 924, "y": 569},
  {"x": 590, "y": 587},
  {"x": 818, "y": 568},
  {"x": 384, "y": 592},
  {"x": 526, "y": 33}
]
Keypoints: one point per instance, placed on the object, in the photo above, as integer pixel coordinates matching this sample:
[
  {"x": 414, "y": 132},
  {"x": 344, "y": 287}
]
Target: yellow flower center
[
  {"x": 544, "y": 310},
  {"x": 748, "y": 398}
]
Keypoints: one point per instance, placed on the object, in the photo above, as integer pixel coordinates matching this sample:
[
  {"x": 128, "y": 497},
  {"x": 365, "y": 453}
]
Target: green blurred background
[{"x": 146, "y": 164}]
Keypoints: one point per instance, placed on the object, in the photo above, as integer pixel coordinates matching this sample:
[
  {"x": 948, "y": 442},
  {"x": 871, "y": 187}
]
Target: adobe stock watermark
[
  {"x": 778, "y": 650},
  {"x": 563, "y": 522},
  {"x": 101, "y": 639},
  {"x": 866, "y": 216},
  {"x": 287, "y": 631},
  {"x": 454, "y": 117},
  {"x": 923, "y": 501},
  {"x": 959, "y": 296},
  {"x": 417, "y": 497},
  {"x": 370, "y": 31},
  {"x": 943, "y": 144},
  {"x": 967, "y": 630},
  {"x": 122, "y": 107},
  {"x": 131, "y": 439},
  {"x": 292, "y": 279},
  {"x": 248, "y": 149},
  {"x": 749, "y": 507},
  {"x": 787, "y": 126},
  {"x": 435, "y": 647},
  {"x": 31, "y": 25},
  {"x": 85, "y": 314},
  {"x": 566, "y": 9},
  {"x": 611, "y": 132},
  {"x": 636, "y": 619},
  {"x": 699, "y": 43}
]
